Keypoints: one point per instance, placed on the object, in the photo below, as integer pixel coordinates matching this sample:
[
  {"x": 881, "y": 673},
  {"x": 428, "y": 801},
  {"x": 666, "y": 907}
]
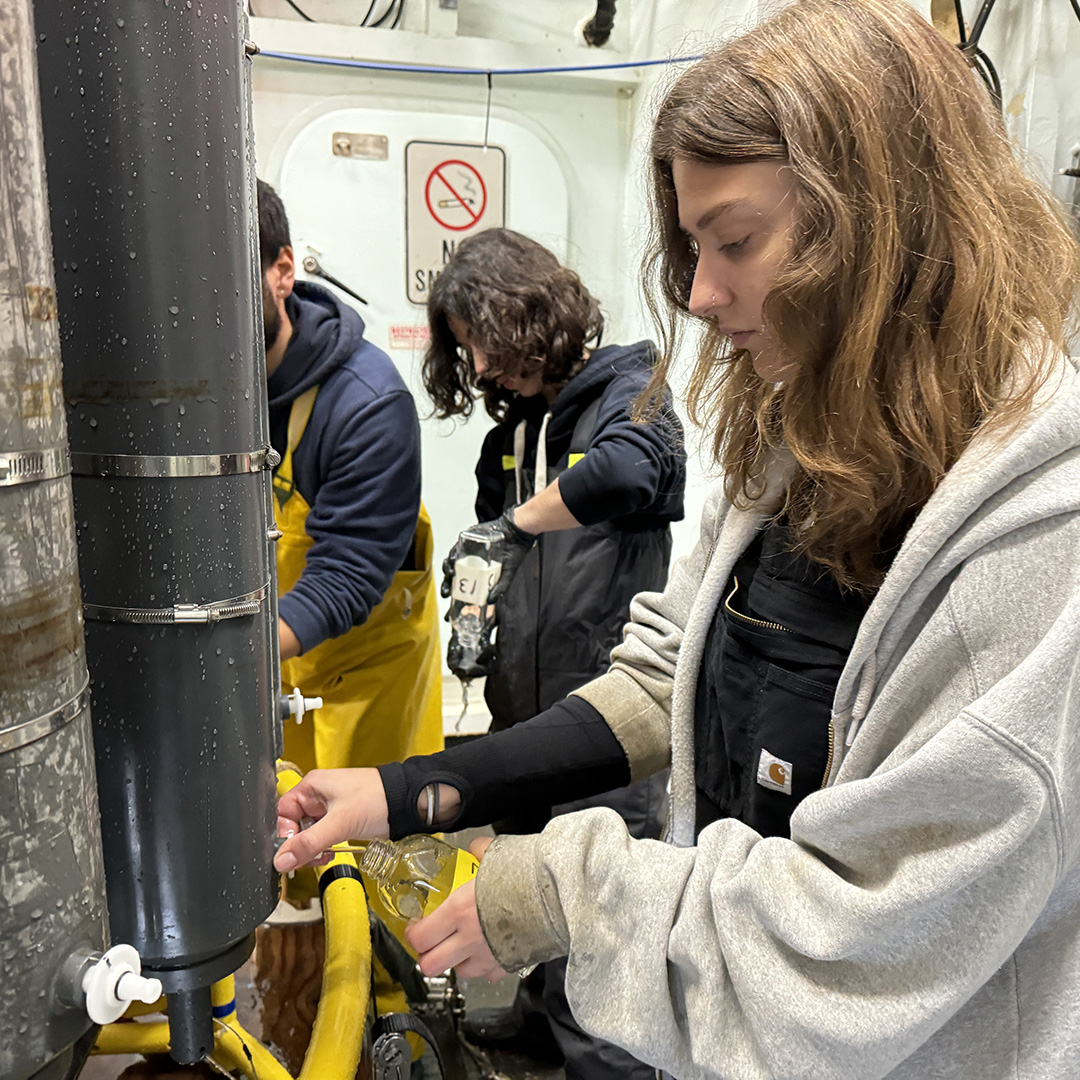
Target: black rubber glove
[{"x": 509, "y": 546}]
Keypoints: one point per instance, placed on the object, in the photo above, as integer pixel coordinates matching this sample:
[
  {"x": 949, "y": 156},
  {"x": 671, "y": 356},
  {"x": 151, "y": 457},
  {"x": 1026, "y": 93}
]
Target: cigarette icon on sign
[{"x": 455, "y": 195}]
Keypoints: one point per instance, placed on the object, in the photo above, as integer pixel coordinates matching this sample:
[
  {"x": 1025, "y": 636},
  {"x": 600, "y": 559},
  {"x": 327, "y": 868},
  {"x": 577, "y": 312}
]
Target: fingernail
[{"x": 285, "y": 861}]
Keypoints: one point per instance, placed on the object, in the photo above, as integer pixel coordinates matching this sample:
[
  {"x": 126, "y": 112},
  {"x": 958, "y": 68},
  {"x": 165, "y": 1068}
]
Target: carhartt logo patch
[{"x": 774, "y": 773}]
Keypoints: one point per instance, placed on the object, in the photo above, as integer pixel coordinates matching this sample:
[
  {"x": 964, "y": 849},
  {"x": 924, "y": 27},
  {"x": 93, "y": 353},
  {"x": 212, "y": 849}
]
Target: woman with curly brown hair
[
  {"x": 577, "y": 499},
  {"x": 567, "y": 461},
  {"x": 866, "y": 676}
]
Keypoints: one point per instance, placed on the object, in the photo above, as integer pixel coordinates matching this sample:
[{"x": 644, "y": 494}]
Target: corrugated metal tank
[{"x": 52, "y": 887}]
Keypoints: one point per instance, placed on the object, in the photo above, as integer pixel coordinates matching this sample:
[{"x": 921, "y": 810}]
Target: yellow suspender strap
[{"x": 299, "y": 415}]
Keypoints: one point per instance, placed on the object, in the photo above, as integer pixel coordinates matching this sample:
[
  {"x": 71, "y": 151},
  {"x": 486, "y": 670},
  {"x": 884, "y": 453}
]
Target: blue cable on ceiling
[{"x": 425, "y": 69}]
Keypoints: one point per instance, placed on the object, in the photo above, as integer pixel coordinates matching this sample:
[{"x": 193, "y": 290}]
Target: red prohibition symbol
[{"x": 455, "y": 195}]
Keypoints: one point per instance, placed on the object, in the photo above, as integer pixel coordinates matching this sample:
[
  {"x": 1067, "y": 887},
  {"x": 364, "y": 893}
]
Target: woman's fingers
[
  {"x": 451, "y": 937},
  {"x": 302, "y": 801},
  {"x": 472, "y": 960},
  {"x": 480, "y": 845},
  {"x": 448, "y": 953},
  {"x": 341, "y": 803},
  {"x": 309, "y": 844}
]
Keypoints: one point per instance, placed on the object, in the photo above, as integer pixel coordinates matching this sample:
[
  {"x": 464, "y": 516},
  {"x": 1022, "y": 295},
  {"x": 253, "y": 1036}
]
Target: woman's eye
[{"x": 736, "y": 246}]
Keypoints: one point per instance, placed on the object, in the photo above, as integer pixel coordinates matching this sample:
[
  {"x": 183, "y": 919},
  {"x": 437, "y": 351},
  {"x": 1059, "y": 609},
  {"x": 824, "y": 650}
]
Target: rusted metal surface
[
  {"x": 52, "y": 884},
  {"x": 41, "y": 643},
  {"x": 52, "y": 890}
]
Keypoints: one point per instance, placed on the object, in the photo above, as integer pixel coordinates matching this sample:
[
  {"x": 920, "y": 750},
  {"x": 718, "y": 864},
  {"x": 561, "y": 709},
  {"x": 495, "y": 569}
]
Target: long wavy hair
[
  {"x": 929, "y": 282},
  {"x": 525, "y": 310}
]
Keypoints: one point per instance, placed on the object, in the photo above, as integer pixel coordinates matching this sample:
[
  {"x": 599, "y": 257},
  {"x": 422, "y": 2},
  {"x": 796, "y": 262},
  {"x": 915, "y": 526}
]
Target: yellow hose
[
  {"x": 338, "y": 1034},
  {"x": 231, "y": 1039},
  {"x": 133, "y": 1038}
]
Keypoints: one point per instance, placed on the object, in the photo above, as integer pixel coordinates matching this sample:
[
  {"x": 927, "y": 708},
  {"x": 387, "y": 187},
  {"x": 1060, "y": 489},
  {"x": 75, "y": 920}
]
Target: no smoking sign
[
  {"x": 456, "y": 195},
  {"x": 452, "y": 191}
]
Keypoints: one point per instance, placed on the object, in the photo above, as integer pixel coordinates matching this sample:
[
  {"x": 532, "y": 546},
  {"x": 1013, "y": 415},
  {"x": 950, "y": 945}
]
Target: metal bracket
[
  {"x": 30, "y": 466},
  {"x": 32, "y": 730},
  {"x": 357, "y": 144},
  {"x": 174, "y": 465},
  {"x": 215, "y": 611}
]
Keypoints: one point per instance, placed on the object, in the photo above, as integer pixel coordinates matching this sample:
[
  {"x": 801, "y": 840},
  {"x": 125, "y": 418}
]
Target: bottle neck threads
[{"x": 378, "y": 858}]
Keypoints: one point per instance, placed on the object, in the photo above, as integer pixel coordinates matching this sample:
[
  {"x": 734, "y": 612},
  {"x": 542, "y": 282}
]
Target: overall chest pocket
[{"x": 763, "y": 731}]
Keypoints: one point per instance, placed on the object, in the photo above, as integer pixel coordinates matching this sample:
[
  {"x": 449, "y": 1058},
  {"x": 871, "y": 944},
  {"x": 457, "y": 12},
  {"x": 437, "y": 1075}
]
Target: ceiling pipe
[{"x": 597, "y": 30}]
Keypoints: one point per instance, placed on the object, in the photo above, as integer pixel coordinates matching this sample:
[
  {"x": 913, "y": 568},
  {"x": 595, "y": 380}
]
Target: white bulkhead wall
[{"x": 575, "y": 146}]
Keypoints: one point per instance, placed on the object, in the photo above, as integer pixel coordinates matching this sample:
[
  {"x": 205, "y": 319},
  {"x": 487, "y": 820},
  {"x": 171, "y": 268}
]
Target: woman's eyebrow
[{"x": 720, "y": 209}]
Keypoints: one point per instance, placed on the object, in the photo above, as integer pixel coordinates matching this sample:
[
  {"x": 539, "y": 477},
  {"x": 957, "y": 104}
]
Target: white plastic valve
[
  {"x": 298, "y": 704},
  {"x": 114, "y": 982}
]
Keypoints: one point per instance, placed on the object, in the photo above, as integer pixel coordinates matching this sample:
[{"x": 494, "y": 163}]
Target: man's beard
[{"x": 271, "y": 317}]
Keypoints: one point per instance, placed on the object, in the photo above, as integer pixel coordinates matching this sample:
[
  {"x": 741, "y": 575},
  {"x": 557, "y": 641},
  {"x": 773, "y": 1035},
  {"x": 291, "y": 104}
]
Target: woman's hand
[
  {"x": 450, "y": 937},
  {"x": 342, "y": 804}
]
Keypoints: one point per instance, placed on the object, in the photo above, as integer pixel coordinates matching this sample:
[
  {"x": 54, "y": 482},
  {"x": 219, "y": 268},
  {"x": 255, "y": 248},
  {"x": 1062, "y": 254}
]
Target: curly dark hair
[{"x": 526, "y": 311}]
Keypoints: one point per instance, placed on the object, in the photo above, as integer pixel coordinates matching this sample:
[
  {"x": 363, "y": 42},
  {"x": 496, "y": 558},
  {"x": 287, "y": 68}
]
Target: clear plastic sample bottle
[{"x": 415, "y": 875}]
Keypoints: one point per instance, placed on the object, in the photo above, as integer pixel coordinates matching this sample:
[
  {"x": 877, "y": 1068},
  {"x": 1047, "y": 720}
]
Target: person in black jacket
[{"x": 577, "y": 498}]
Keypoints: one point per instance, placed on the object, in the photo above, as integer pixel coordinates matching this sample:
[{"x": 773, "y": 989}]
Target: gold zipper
[
  {"x": 748, "y": 618},
  {"x": 832, "y": 748}
]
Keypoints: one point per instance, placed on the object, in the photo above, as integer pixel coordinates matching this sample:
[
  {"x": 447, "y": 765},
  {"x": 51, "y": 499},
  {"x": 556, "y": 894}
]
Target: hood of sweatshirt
[
  {"x": 604, "y": 366},
  {"x": 326, "y": 332},
  {"x": 1001, "y": 484}
]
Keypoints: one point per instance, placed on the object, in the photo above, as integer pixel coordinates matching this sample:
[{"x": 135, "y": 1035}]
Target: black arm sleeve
[{"x": 565, "y": 753}]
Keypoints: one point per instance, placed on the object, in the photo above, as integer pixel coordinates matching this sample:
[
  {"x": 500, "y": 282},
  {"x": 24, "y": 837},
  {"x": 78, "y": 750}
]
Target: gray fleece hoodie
[{"x": 923, "y": 921}]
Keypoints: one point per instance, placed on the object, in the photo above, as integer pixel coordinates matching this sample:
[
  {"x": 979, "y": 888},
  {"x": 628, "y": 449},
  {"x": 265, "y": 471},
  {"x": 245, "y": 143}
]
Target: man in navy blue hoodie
[{"x": 358, "y": 621}]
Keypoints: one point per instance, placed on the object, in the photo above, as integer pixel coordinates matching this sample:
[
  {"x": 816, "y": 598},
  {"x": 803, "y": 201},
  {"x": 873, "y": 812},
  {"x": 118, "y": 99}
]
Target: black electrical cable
[
  {"x": 960, "y": 22},
  {"x": 597, "y": 30},
  {"x": 979, "y": 24},
  {"x": 989, "y": 75},
  {"x": 367, "y": 15},
  {"x": 969, "y": 46},
  {"x": 303, "y": 14},
  {"x": 1076, "y": 7},
  {"x": 383, "y": 17}
]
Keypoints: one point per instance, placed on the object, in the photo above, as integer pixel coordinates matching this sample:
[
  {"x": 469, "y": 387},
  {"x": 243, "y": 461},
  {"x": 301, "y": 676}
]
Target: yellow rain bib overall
[{"x": 381, "y": 682}]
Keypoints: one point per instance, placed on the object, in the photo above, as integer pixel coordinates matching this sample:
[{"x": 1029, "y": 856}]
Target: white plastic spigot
[
  {"x": 298, "y": 704},
  {"x": 114, "y": 982}
]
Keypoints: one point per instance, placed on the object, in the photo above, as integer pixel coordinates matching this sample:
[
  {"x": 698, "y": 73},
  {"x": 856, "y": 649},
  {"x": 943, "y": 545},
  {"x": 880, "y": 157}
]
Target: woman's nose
[
  {"x": 707, "y": 296},
  {"x": 479, "y": 362}
]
